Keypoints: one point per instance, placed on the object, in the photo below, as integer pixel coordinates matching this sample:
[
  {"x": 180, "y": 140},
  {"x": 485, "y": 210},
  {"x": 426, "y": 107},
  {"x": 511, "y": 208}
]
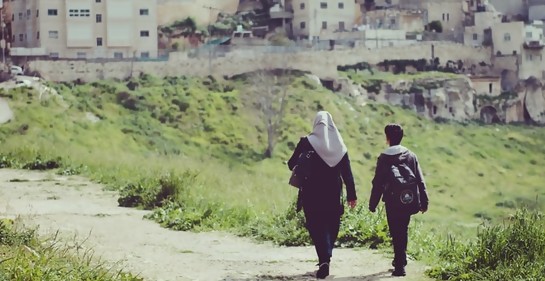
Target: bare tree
[{"x": 270, "y": 89}]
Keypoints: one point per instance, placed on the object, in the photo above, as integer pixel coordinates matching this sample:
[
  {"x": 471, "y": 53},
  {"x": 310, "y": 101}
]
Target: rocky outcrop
[
  {"x": 534, "y": 101},
  {"x": 456, "y": 99}
]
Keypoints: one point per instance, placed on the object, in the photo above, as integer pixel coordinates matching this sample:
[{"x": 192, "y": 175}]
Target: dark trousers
[
  {"x": 398, "y": 223},
  {"x": 323, "y": 230}
]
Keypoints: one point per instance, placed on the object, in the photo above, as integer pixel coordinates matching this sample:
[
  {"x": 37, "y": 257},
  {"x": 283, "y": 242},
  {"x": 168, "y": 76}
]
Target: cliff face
[{"x": 456, "y": 99}]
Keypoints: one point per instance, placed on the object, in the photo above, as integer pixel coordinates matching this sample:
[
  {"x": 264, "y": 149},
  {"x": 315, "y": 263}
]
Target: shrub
[
  {"x": 514, "y": 250},
  {"x": 435, "y": 26}
]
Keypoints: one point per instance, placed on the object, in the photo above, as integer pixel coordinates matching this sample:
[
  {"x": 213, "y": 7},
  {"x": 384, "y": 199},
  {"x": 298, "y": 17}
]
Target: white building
[{"x": 84, "y": 29}]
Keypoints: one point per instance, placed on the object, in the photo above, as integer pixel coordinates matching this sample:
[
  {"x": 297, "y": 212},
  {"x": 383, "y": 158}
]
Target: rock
[
  {"x": 5, "y": 112},
  {"x": 315, "y": 79},
  {"x": 91, "y": 117},
  {"x": 535, "y": 101}
]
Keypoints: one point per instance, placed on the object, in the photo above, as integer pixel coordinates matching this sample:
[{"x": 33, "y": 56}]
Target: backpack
[
  {"x": 403, "y": 186},
  {"x": 302, "y": 170}
]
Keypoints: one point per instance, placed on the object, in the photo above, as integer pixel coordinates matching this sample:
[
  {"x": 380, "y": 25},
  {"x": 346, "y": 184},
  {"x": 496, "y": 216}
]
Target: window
[
  {"x": 99, "y": 17},
  {"x": 323, "y": 5},
  {"x": 144, "y": 12},
  {"x": 52, "y": 12},
  {"x": 506, "y": 37},
  {"x": 341, "y": 5},
  {"x": 12, "y": 17},
  {"x": 144, "y": 55},
  {"x": 20, "y": 16},
  {"x": 79, "y": 13},
  {"x": 448, "y": 17},
  {"x": 53, "y": 34},
  {"x": 21, "y": 37},
  {"x": 98, "y": 1},
  {"x": 490, "y": 88},
  {"x": 81, "y": 55},
  {"x": 475, "y": 36},
  {"x": 28, "y": 14},
  {"x": 99, "y": 41},
  {"x": 302, "y": 6},
  {"x": 302, "y": 25},
  {"x": 38, "y": 35},
  {"x": 144, "y": 33},
  {"x": 443, "y": 16},
  {"x": 54, "y": 55},
  {"x": 37, "y": 13},
  {"x": 324, "y": 25},
  {"x": 118, "y": 55},
  {"x": 529, "y": 35},
  {"x": 341, "y": 25}
]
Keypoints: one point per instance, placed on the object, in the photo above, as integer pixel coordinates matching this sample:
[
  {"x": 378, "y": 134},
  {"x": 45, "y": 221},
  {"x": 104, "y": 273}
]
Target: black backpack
[{"x": 403, "y": 188}]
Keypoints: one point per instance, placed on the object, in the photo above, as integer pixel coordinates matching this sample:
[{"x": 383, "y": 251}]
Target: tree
[
  {"x": 435, "y": 26},
  {"x": 270, "y": 89}
]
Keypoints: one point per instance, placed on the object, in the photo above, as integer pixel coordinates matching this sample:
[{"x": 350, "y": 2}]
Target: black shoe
[
  {"x": 399, "y": 271},
  {"x": 323, "y": 271}
]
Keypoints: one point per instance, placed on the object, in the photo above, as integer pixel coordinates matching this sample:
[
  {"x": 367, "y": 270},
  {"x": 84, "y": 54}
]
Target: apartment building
[
  {"x": 84, "y": 29},
  {"x": 323, "y": 20}
]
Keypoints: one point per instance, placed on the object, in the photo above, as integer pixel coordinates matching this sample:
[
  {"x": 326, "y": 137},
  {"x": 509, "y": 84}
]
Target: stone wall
[{"x": 320, "y": 63}]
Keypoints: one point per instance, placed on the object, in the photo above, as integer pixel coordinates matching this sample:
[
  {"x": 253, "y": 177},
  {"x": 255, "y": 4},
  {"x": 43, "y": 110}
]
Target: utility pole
[
  {"x": 210, "y": 9},
  {"x": 2, "y": 40}
]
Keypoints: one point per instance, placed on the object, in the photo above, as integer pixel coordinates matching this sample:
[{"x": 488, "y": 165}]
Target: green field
[{"x": 199, "y": 144}]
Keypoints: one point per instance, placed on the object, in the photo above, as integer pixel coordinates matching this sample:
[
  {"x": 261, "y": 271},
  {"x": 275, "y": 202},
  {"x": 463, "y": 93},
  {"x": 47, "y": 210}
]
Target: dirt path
[{"x": 75, "y": 206}]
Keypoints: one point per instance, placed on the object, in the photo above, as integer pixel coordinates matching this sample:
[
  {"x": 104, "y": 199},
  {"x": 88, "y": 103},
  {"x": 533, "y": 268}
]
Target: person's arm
[
  {"x": 348, "y": 179},
  {"x": 421, "y": 187},
  {"x": 296, "y": 153},
  {"x": 378, "y": 185}
]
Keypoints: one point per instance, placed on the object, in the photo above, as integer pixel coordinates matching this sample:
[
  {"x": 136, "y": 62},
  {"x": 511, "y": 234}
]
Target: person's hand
[
  {"x": 423, "y": 209},
  {"x": 372, "y": 210},
  {"x": 352, "y": 204}
]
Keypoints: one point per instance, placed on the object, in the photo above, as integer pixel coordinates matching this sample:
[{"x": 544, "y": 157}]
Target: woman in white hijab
[{"x": 321, "y": 193}]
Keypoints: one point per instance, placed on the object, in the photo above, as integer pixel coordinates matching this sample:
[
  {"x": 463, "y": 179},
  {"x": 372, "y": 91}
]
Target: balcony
[{"x": 534, "y": 45}]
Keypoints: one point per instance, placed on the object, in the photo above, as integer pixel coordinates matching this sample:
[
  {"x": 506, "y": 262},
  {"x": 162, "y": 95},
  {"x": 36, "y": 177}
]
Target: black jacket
[
  {"x": 392, "y": 155},
  {"x": 322, "y": 195}
]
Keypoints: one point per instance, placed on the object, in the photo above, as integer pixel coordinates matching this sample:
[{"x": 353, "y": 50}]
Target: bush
[
  {"x": 436, "y": 26},
  {"x": 514, "y": 250}
]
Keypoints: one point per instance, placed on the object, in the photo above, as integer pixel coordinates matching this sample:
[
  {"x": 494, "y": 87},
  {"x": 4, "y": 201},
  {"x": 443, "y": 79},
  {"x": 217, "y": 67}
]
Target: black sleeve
[
  {"x": 348, "y": 178},
  {"x": 298, "y": 150},
  {"x": 422, "y": 185},
  {"x": 378, "y": 184}
]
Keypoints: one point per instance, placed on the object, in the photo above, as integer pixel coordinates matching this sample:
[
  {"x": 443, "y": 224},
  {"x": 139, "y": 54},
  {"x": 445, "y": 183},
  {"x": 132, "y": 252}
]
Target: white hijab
[{"x": 326, "y": 139}]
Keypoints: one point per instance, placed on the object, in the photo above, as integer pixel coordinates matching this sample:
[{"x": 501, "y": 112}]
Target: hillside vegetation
[{"x": 193, "y": 150}]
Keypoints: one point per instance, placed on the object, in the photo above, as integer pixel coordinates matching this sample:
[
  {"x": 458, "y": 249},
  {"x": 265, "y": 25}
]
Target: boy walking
[{"x": 390, "y": 165}]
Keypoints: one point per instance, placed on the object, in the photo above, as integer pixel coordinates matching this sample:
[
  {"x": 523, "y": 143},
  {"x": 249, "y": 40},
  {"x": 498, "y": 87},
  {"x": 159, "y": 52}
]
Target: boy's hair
[{"x": 394, "y": 133}]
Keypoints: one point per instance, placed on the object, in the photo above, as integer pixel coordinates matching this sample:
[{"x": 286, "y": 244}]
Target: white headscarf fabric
[{"x": 326, "y": 139}]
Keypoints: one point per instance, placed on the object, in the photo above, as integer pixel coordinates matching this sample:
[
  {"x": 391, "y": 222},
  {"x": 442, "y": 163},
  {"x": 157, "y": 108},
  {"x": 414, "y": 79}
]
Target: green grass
[
  {"x": 192, "y": 150},
  {"x": 25, "y": 256}
]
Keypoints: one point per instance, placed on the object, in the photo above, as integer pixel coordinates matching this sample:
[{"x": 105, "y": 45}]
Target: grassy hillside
[{"x": 208, "y": 138}]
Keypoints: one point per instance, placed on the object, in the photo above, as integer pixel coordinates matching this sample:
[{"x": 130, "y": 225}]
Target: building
[
  {"x": 408, "y": 20},
  {"x": 450, "y": 13},
  {"x": 486, "y": 85},
  {"x": 84, "y": 29},
  {"x": 508, "y": 38},
  {"x": 479, "y": 34},
  {"x": 531, "y": 61},
  {"x": 322, "y": 20}
]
